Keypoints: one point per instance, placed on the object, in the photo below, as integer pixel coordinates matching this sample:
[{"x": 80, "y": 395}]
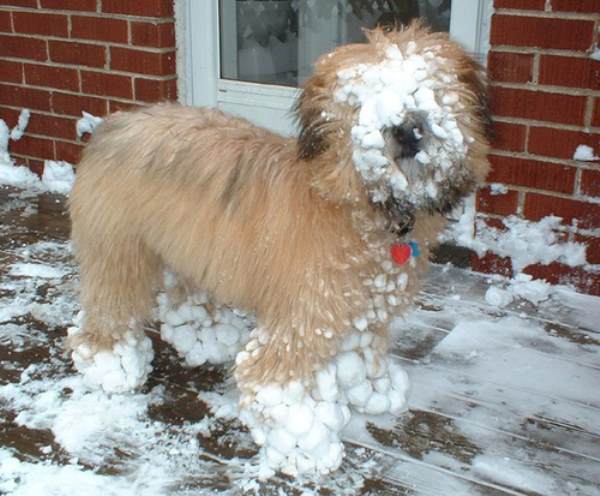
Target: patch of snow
[
  {"x": 22, "y": 122},
  {"x": 585, "y": 153},
  {"x": 22, "y": 478},
  {"x": 87, "y": 124},
  {"x": 58, "y": 177},
  {"x": 525, "y": 242},
  {"x": 498, "y": 297},
  {"x": 498, "y": 189},
  {"x": 36, "y": 270},
  {"x": 595, "y": 54},
  {"x": 511, "y": 473},
  {"x": 522, "y": 286}
]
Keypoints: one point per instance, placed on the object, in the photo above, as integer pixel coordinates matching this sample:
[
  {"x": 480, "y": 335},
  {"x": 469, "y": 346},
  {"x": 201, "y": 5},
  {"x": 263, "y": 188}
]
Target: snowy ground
[{"x": 504, "y": 400}]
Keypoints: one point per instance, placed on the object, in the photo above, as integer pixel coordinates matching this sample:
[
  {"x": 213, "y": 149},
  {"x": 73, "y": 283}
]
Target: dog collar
[{"x": 401, "y": 252}]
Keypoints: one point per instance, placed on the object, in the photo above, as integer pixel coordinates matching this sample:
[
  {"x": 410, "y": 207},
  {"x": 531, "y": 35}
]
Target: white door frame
[{"x": 198, "y": 59}]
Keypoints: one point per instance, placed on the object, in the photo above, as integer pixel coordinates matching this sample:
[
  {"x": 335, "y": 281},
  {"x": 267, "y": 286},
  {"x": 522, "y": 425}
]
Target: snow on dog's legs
[
  {"x": 118, "y": 277},
  {"x": 123, "y": 368},
  {"x": 371, "y": 382},
  {"x": 297, "y": 422},
  {"x": 199, "y": 330}
]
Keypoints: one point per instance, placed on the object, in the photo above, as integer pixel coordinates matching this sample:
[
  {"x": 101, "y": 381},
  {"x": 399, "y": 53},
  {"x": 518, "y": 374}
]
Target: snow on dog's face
[{"x": 413, "y": 107}]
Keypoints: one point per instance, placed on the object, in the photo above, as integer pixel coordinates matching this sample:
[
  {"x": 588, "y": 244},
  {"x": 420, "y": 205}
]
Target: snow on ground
[
  {"x": 485, "y": 374},
  {"x": 58, "y": 177},
  {"x": 526, "y": 242}
]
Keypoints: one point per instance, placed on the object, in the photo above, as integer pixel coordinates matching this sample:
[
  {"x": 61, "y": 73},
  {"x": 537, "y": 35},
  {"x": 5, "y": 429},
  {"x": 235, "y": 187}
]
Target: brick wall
[
  {"x": 546, "y": 102},
  {"x": 59, "y": 57}
]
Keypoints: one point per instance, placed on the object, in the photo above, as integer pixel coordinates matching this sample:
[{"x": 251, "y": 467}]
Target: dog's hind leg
[
  {"x": 199, "y": 330},
  {"x": 119, "y": 276}
]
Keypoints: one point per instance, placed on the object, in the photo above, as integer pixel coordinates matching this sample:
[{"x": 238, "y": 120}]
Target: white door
[{"x": 248, "y": 57}]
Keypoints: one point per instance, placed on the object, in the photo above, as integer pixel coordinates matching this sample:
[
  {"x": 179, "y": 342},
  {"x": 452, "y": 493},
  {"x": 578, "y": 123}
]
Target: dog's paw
[
  {"x": 298, "y": 429},
  {"x": 200, "y": 335},
  {"x": 122, "y": 369},
  {"x": 371, "y": 383}
]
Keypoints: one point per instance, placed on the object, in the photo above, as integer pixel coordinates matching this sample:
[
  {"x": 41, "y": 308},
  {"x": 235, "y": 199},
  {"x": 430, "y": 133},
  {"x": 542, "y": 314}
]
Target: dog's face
[{"x": 410, "y": 108}]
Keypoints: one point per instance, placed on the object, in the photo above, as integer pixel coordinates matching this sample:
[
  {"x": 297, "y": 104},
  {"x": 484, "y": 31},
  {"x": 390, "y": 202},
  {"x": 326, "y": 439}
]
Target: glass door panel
[{"x": 277, "y": 41}]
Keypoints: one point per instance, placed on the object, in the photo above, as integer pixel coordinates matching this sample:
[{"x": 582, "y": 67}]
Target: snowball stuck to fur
[
  {"x": 122, "y": 369},
  {"x": 387, "y": 93},
  {"x": 198, "y": 335},
  {"x": 298, "y": 425}
]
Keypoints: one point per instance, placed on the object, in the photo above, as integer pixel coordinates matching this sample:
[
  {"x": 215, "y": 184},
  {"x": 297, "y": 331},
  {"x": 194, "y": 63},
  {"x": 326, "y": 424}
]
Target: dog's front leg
[{"x": 291, "y": 401}]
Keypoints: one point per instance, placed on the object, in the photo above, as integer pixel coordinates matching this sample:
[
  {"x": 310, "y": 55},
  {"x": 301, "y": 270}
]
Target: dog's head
[{"x": 408, "y": 110}]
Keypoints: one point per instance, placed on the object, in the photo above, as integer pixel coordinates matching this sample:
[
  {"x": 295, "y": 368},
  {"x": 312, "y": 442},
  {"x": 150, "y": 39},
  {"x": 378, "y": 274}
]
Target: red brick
[
  {"x": 590, "y": 6},
  {"x": 559, "y": 143},
  {"x": 99, "y": 28},
  {"x": 9, "y": 116},
  {"x": 147, "y": 8},
  {"x": 150, "y": 90},
  {"x": 509, "y": 137},
  {"x": 491, "y": 263},
  {"x": 592, "y": 251},
  {"x": 73, "y": 104},
  {"x": 520, "y": 4},
  {"x": 542, "y": 32},
  {"x": 54, "y": 77},
  {"x": 17, "y": 96},
  {"x": 557, "y": 273},
  {"x": 47, "y": 125},
  {"x": 36, "y": 166},
  {"x": 532, "y": 174},
  {"x": 504, "y": 204},
  {"x": 596, "y": 114},
  {"x": 5, "y": 23},
  {"x": 538, "y": 105},
  {"x": 40, "y": 23},
  {"x": 98, "y": 83},
  {"x": 11, "y": 71},
  {"x": 590, "y": 182},
  {"x": 142, "y": 62},
  {"x": 89, "y": 5},
  {"x": 511, "y": 67},
  {"x": 492, "y": 222},
  {"x": 69, "y": 152},
  {"x": 19, "y": 3},
  {"x": 570, "y": 71},
  {"x": 33, "y": 147},
  {"x": 153, "y": 35},
  {"x": 67, "y": 52},
  {"x": 22, "y": 47},
  {"x": 538, "y": 206}
]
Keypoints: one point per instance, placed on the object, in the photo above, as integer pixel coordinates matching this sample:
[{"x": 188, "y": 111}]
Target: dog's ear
[
  {"x": 473, "y": 75},
  {"x": 312, "y": 118}
]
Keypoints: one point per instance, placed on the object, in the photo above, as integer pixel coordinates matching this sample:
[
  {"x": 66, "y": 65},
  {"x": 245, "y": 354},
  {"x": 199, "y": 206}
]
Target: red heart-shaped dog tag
[{"x": 400, "y": 253}]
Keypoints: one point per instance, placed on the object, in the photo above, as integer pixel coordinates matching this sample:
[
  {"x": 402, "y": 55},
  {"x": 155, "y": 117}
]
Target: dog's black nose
[{"x": 408, "y": 138}]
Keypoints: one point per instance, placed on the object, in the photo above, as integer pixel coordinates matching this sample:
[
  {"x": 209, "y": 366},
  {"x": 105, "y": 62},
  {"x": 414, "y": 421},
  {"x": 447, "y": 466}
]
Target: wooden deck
[{"x": 504, "y": 401}]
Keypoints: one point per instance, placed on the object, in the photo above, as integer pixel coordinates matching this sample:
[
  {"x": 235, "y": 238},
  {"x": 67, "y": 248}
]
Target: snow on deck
[{"x": 504, "y": 400}]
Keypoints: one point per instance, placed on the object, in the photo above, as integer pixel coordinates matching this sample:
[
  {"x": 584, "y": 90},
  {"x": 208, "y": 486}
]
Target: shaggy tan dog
[{"x": 306, "y": 233}]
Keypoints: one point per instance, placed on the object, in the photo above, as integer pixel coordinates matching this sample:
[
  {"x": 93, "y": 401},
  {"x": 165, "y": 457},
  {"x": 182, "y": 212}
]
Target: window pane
[{"x": 277, "y": 41}]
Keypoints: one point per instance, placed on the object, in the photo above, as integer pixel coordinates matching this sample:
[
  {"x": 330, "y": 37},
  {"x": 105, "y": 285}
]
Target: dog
[{"x": 319, "y": 239}]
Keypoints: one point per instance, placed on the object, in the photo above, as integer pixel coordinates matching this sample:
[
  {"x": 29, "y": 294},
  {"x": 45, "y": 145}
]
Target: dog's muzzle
[{"x": 408, "y": 138}]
